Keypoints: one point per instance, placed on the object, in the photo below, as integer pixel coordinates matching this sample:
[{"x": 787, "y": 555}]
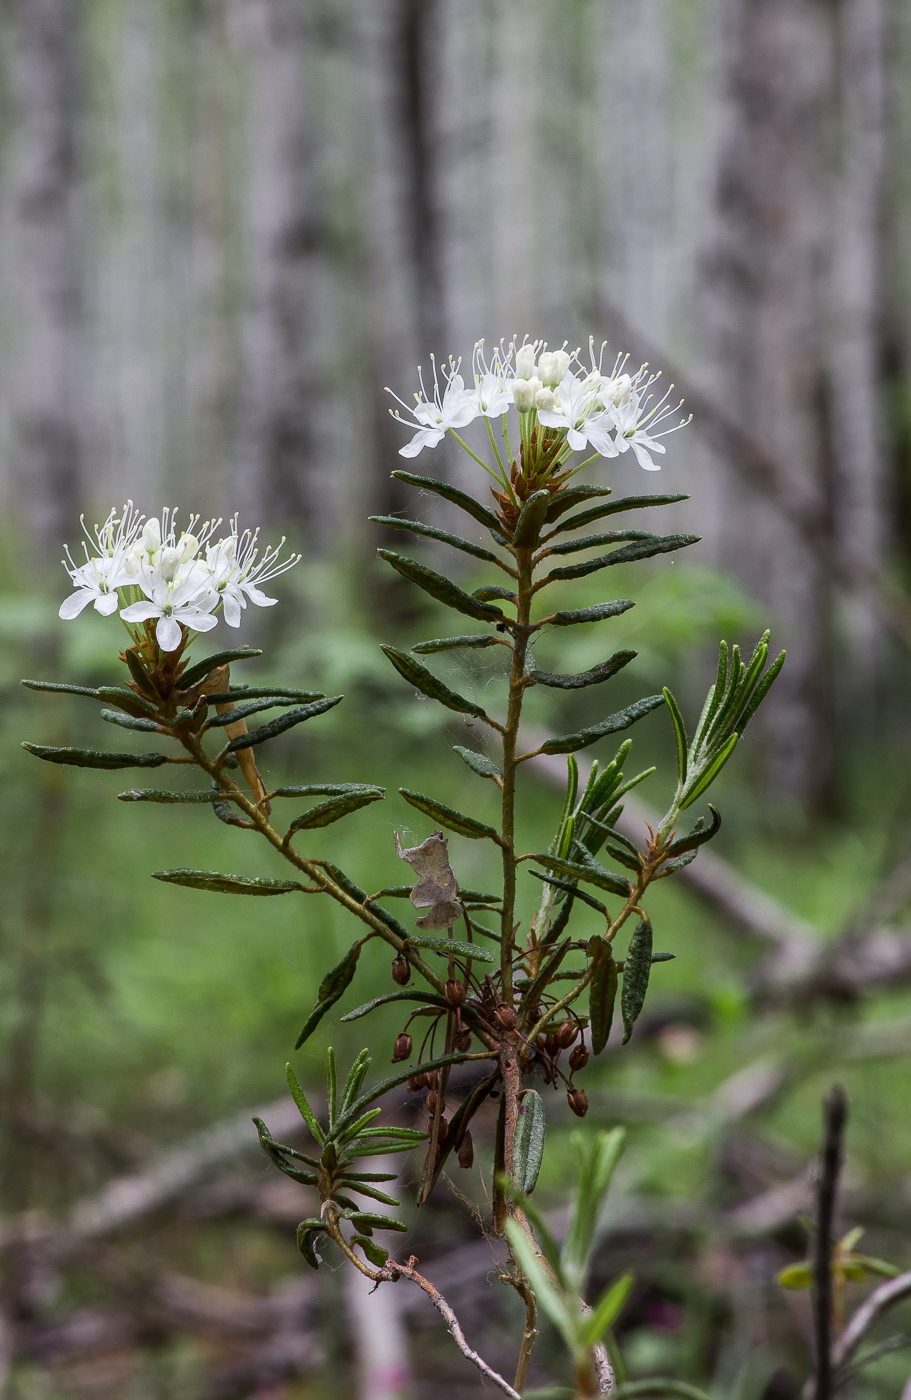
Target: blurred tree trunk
[
  {"x": 47, "y": 391},
  {"x": 766, "y": 295}
]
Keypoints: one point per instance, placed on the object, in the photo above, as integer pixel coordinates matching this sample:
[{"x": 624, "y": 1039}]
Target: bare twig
[
  {"x": 893, "y": 1291},
  {"x": 835, "y": 1112},
  {"x": 452, "y": 1322}
]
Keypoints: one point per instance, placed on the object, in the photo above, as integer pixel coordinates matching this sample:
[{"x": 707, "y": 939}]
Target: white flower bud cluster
[
  {"x": 609, "y": 413},
  {"x": 148, "y": 571}
]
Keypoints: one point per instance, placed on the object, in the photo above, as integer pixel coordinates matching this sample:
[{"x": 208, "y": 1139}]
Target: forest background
[{"x": 225, "y": 227}]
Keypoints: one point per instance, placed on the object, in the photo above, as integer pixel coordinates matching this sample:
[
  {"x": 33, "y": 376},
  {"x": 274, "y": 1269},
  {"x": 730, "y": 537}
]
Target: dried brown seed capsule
[
  {"x": 455, "y": 993},
  {"x": 567, "y": 1034},
  {"x": 578, "y": 1059},
  {"x": 466, "y": 1151},
  {"x": 416, "y": 1083},
  {"x": 463, "y": 1039},
  {"x": 433, "y": 1079},
  {"x": 541, "y": 1042},
  {"x": 507, "y": 1017},
  {"x": 401, "y": 972},
  {"x": 402, "y": 1048},
  {"x": 550, "y": 1044},
  {"x": 578, "y": 1102},
  {"x": 432, "y": 1102}
]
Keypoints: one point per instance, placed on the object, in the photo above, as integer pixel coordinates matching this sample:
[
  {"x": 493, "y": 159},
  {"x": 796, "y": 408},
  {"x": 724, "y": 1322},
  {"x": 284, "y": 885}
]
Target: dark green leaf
[
  {"x": 494, "y": 590},
  {"x": 202, "y": 668},
  {"x": 425, "y": 681},
  {"x": 404, "y": 1135},
  {"x": 636, "y": 968},
  {"x": 161, "y": 795},
  {"x": 286, "y": 721},
  {"x": 443, "y": 589},
  {"x": 571, "y": 743},
  {"x": 592, "y": 872},
  {"x": 94, "y": 758},
  {"x": 546, "y": 974},
  {"x": 762, "y": 690},
  {"x": 571, "y": 496},
  {"x": 324, "y": 813},
  {"x": 679, "y": 734},
  {"x": 644, "y": 549},
  {"x": 323, "y": 789},
  {"x": 330, "y": 989},
  {"x": 366, "y": 1220},
  {"x": 126, "y": 700},
  {"x": 595, "y": 676},
  {"x": 262, "y": 692},
  {"x": 306, "y": 1112},
  {"x": 139, "y": 673},
  {"x": 355, "y": 1081},
  {"x": 416, "y": 528},
  {"x": 593, "y": 541},
  {"x": 427, "y": 998},
  {"x": 708, "y": 776},
  {"x": 226, "y": 813},
  {"x": 452, "y": 945},
  {"x": 448, "y": 816},
  {"x": 373, "y": 1251},
  {"x": 482, "y": 639},
  {"x": 479, "y": 897},
  {"x": 602, "y": 993},
  {"x": 269, "y": 702},
  {"x": 698, "y": 836},
  {"x": 389, "y": 920},
  {"x": 596, "y": 613},
  {"x": 569, "y": 888},
  {"x": 305, "y": 1233},
  {"x": 453, "y": 494},
  {"x": 588, "y": 517},
  {"x": 341, "y": 879},
  {"x": 129, "y": 722},
  {"x": 59, "y": 686},
  {"x": 479, "y": 763},
  {"x": 532, "y": 517},
  {"x": 528, "y": 1141},
  {"x": 225, "y": 884}
]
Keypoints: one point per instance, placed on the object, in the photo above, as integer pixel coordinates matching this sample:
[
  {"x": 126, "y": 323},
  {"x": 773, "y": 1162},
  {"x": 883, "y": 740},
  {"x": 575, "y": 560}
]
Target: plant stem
[{"x": 835, "y": 1112}]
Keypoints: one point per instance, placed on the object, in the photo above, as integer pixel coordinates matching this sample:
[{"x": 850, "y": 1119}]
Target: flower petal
[
  {"x": 140, "y": 612},
  {"x": 106, "y": 604},
  {"x": 168, "y": 633},
  {"x": 258, "y": 597},
  {"x": 73, "y": 605}
]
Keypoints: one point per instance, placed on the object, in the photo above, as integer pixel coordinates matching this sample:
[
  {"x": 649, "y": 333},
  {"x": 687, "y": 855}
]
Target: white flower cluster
[
  {"x": 609, "y": 413},
  {"x": 144, "y": 569}
]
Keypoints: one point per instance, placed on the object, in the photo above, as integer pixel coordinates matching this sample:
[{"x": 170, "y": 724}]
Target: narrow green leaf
[
  {"x": 482, "y": 639},
  {"x": 448, "y": 816},
  {"x": 130, "y": 722},
  {"x": 426, "y": 998},
  {"x": 359, "y": 1125},
  {"x": 762, "y": 690},
  {"x": 94, "y": 758},
  {"x": 594, "y": 676},
  {"x": 643, "y": 549},
  {"x": 429, "y": 685},
  {"x": 528, "y": 1141},
  {"x": 479, "y": 897},
  {"x": 679, "y": 734},
  {"x": 331, "y": 1092},
  {"x": 454, "y": 946},
  {"x": 332, "y": 810},
  {"x": 571, "y": 743},
  {"x": 367, "y": 1220},
  {"x": 547, "y": 1296},
  {"x": 478, "y": 762},
  {"x": 531, "y": 519},
  {"x": 453, "y": 494},
  {"x": 263, "y": 692},
  {"x": 698, "y": 836},
  {"x": 202, "y": 668},
  {"x": 61, "y": 687},
  {"x": 494, "y": 590},
  {"x": 355, "y": 1080},
  {"x": 593, "y": 541},
  {"x": 305, "y": 1233},
  {"x": 330, "y": 989},
  {"x": 569, "y": 888},
  {"x": 596, "y": 613},
  {"x": 127, "y": 700},
  {"x": 160, "y": 795},
  {"x": 443, "y": 589},
  {"x": 571, "y": 496},
  {"x": 606, "y": 1310},
  {"x": 323, "y": 789},
  {"x": 590, "y": 871},
  {"x": 602, "y": 993},
  {"x": 286, "y": 721},
  {"x": 702, "y": 783},
  {"x": 225, "y": 884},
  {"x": 417, "y": 528},
  {"x": 139, "y": 674},
  {"x": 268, "y": 702},
  {"x": 341, "y": 879},
  {"x": 636, "y": 968},
  {"x": 588, "y": 517},
  {"x": 306, "y": 1112},
  {"x": 393, "y": 1082},
  {"x": 373, "y": 1251}
]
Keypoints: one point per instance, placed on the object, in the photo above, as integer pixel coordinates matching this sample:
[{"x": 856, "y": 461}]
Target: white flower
[
  {"x": 552, "y": 366},
  {"x": 637, "y": 431},
  {"x": 492, "y": 389},
  {"x": 97, "y": 580},
  {"x": 575, "y": 411},
  {"x": 434, "y": 417},
  {"x": 186, "y": 597},
  {"x": 235, "y": 574}
]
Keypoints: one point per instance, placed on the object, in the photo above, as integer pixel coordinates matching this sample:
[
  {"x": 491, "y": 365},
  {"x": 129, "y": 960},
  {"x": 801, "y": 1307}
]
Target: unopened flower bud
[
  {"x": 618, "y": 390},
  {"x": 151, "y": 535},
  {"x": 188, "y": 546},
  {"x": 578, "y": 1102},
  {"x": 523, "y": 395},
  {"x": 561, "y": 365},
  {"x": 544, "y": 399},
  {"x": 507, "y": 1017},
  {"x": 578, "y": 1059},
  {"x": 466, "y": 1151},
  {"x": 169, "y": 563},
  {"x": 463, "y": 1039},
  {"x": 432, "y": 1101},
  {"x": 401, "y": 972},
  {"x": 566, "y": 1034},
  {"x": 525, "y": 361},
  {"x": 402, "y": 1048},
  {"x": 455, "y": 992},
  {"x": 552, "y": 366}
]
